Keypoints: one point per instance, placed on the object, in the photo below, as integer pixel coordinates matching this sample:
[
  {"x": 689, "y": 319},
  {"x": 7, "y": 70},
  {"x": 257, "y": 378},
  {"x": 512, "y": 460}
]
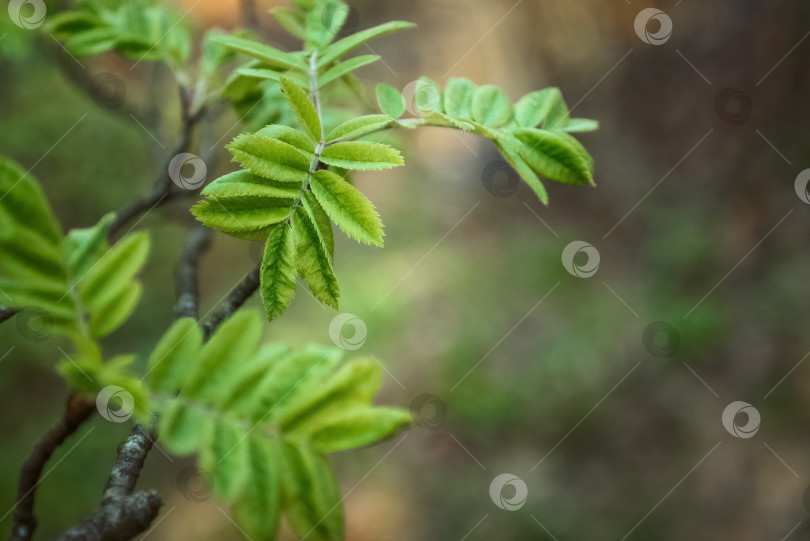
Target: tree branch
[
  {"x": 187, "y": 281},
  {"x": 237, "y": 297},
  {"x": 7, "y": 312},
  {"x": 249, "y": 16},
  {"x": 164, "y": 188},
  {"x": 77, "y": 411},
  {"x": 122, "y": 514}
]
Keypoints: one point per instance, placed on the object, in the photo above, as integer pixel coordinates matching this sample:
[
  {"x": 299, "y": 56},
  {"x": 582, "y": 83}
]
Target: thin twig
[
  {"x": 6, "y": 312},
  {"x": 187, "y": 280},
  {"x": 240, "y": 294},
  {"x": 250, "y": 17},
  {"x": 164, "y": 188},
  {"x": 122, "y": 514},
  {"x": 77, "y": 411}
]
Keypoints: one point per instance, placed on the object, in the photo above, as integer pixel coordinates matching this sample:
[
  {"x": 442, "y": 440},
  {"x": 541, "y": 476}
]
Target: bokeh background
[{"x": 616, "y": 436}]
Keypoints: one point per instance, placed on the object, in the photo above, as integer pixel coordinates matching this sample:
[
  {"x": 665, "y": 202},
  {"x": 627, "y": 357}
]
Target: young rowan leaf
[
  {"x": 295, "y": 374},
  {"x": 525, "y": 172},
  {"x": 458, "y": 98},
  {"x": 553, "y": 156},
  {"x": 83, "y": 247},
  {"x": 347, "y": 207},
  {"x": 324, "y": 20},
  {"x": 270, "y": 158},
  {"x": 258, "y": 419},
  {"x": 246, "y": 217},
  {"x": 581, "y": 125},
  {"x": 278, "y": 271},
  {"x": 354, "y": 384},
  {"x": 226, "y": 457},
  {"x": 361, "y": 155},
  {"x": 390, "y": 100},
  {"x": 257, "y": 509},
  {"x": 183, "y": 428},
  {"x": 544, "y": 106},
  {"x": 270, "y": 56},
  {"x": 246, "y": 184},
  {"x": 169, "y": 363},
  {"x": 236, "y": 85},
  {"x": 24, "y": 203},
  {"x": 303, "y": 108},
  {"x": 291, "y": 136},
  {"x": 291, "y": 20},
  {"x": 106, "y": 280},
  {"x": 112, "y": 313},
  {"x": 311, "y": 495},
  {"x": 357, "y": 426},
  {"x": 220, "y": 358},
  {"x": 427, "y": 97},
  {"x": 339, "y": 70},
  {"x": 343, "y": 46},
  {"x": 358, "y": 127},
  {"x": 321, "y": 219},
  {"x": 490, "y": 106},
  {"x": 313, "y": 261}
]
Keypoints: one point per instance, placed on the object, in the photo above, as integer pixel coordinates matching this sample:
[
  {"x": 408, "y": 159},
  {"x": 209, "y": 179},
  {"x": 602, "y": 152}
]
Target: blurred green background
[{"x": 695, "y": 218}]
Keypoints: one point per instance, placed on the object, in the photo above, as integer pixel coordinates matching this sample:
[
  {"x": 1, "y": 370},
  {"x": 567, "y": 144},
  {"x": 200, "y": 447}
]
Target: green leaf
[
  {"x": 311, "y": 495},
  {"x": 303, "y": 108},
  {"x": 278, "y": 271},
  {"x": 458, "y": 98},
  {"x": 258, "y": 508},
  {"x": 358, "y": 127},
  {"x": 343, "y": 46},
  {"x": 356, "y": 427},
  {"x": 544, "y": 106},
  {"x": 227, "y": 459},
  {"x": 321, "y": 219},
  {"x": 22, "y": 200},
  {"x": 354, "y": 384},
  {"x": 291, "y": 136},
  {"x": 313, "y": 260},
  {"x": 268, "y": 55},
  {"x": 554, "y": 156},
  {"x": 290, "y": 20},
  {"x": 183, "y": 428},
  {"x": 323, "y": 21},
  {"x": 270, "y": 158},
  {"x": 390, "y": 100},
  {"x": 111, "y": 314},
  {"x": 581, "y": 125},
  {"x": 171, "y": 358},
  {"x": 525, "y": 172},
  {"x": 220, "y": 357},
  {"x": 257, "y": 420},
  {"x": 107, "y": 289},
  {"x": 339, "y": 70},
  {"x": 427, "y": 97},
  {"x": 83, "y": 247},
  {"x": 347, "y": 207},
  {"x": 292, "y": 375},
  {"x": 490, "y": 106},
  {"x": 361, "y": 155},
  {"x": 261, "y": 73},
  {"x": 244, "y": 217},
  {"x": 246, "y": 184}
]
